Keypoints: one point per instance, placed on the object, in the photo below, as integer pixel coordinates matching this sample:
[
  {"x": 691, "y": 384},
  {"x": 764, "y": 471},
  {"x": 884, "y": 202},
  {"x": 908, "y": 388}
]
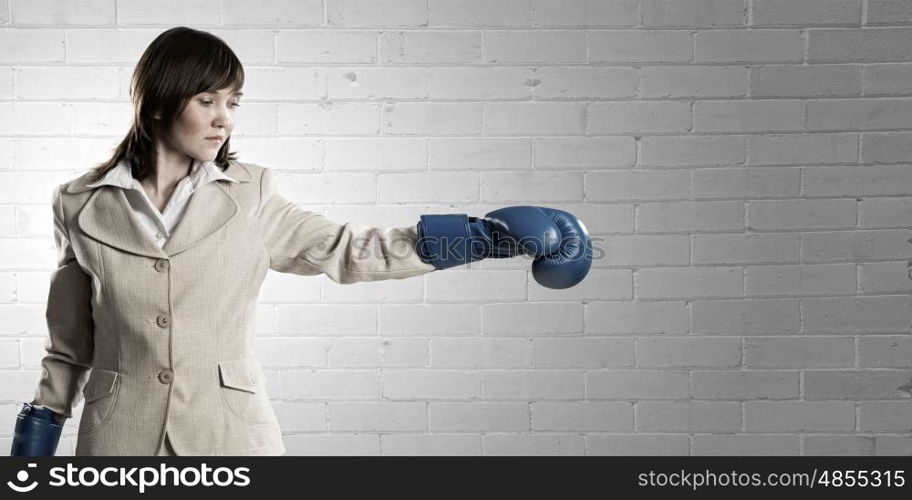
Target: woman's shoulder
[
  {"x": 244, "y": 170},
  {"x": 77, "y": 184}
]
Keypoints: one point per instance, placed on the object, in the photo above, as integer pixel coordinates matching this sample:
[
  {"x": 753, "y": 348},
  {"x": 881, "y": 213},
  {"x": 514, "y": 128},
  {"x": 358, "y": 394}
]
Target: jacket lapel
[
  {"x": 108, "y": 217},
  {"x": 208, "y": 209}
]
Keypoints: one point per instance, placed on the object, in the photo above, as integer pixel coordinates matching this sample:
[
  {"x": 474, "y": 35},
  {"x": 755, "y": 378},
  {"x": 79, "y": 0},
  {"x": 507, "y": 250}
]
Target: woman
[{"x": 161, "y": 254}]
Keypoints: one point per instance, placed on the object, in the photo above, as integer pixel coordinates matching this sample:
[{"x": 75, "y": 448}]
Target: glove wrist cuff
[
  {"x": 445, "y": 240},
  {"x": 37, "y": 432}
]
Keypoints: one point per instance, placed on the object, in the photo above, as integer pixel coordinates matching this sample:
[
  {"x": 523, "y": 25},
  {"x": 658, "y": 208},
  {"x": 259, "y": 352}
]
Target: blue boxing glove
[
  {"x": 37, "y": 432},
  {"x": 557, "y": 239}
]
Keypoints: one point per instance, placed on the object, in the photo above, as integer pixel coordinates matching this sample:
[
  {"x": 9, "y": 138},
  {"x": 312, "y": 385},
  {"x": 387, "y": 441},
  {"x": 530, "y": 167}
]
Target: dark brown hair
[{"x": 180, "y": 63}]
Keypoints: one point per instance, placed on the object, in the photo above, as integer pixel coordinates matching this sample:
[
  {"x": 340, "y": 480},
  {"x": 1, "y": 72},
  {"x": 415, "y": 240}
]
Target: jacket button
[
  {"x": 252, "y": 378},
  {"x": 166, "y": 376},
  {"x": 162, "y": 265},
  {"x": 163, "y": 320}
]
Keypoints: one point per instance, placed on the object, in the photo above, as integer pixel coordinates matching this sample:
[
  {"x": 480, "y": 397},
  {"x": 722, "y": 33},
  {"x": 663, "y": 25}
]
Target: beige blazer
[{"x": 169, "y": 332}]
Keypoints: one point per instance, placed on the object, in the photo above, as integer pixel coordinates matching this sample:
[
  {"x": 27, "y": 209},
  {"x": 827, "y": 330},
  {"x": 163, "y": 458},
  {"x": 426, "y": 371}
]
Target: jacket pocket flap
[
  {"x": 101, "y": 383},
  {"x": 238, "y": 374}
]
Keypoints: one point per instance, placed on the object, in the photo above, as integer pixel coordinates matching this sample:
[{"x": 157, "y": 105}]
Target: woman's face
[{"x": 207, "y": 114}]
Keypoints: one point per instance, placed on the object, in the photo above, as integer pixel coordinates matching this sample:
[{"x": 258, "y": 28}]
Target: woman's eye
[{"x": 236, "y": 105}]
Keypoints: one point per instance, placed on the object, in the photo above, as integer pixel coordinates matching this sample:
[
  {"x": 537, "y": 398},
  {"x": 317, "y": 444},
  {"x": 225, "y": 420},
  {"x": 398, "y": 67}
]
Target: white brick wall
[{"x": 743, "y": 167}]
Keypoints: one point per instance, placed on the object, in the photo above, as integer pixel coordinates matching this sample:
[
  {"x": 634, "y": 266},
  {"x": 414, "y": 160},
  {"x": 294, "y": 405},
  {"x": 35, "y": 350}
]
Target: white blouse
[{"x": 159, "y": 225}]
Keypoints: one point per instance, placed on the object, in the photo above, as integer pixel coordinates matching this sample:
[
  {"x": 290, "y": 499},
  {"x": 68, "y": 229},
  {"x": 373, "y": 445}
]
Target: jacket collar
[
  {"x": 236, "y": 171},
  {"x": 108, "y": 217},
  {"x": 201, "y": 172}
]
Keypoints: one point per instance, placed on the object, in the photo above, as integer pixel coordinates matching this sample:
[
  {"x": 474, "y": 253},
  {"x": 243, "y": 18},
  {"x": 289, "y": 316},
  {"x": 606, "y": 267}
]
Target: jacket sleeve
[
  {"x": 70, "y": 340},
  {"x": 307, "y": 243}
]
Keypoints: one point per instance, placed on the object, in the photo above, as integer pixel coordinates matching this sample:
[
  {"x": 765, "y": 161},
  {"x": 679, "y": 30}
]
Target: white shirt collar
[{"x": 201, "y": 173}]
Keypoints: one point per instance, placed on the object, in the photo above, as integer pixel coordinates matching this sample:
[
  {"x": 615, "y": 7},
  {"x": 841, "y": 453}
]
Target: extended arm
[{"x": 307, "y": 243}]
